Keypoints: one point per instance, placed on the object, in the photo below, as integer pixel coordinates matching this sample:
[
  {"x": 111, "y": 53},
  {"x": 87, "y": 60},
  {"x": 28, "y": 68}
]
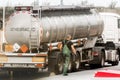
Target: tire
[
  {"x": 70, "y": 67},
  {"x": 93, "y": 66},
  {"x": 74, "y": 64},
  {"x": 77, "y": 62},
  {"x": 102, "y": 61},
  {"x": 113, "y": 63},
  {"x": 55, "y": 63},
  {"x": 118, "y": 52},
  {"x": 116, "y": 62},
  {"x": 100, "y": 64},
  {"x": 82, "y": 65},
  {"x": 59, "y": 65}
]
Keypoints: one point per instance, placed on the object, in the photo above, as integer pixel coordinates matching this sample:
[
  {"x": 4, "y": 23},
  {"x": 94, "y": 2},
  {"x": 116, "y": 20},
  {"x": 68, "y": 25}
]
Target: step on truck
[{"x": 32, "y": 37}]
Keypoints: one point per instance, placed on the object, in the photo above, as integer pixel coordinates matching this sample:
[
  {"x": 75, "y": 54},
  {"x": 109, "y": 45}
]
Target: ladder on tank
[{"x": 34, "y": 33}]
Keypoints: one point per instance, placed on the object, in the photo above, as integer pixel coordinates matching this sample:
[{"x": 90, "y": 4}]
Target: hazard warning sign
[{"x": 24, "y": 48}]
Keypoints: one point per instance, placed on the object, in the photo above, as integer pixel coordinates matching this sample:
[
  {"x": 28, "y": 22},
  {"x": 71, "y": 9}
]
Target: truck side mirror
[{"x": 1, "y": 24}]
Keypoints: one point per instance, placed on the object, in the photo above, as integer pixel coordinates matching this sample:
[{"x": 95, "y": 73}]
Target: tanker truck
[{"x": 33, "y": 36}]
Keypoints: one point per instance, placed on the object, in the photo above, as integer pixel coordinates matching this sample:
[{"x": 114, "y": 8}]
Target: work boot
[
  {"x": 66, "y": 74},
  {"x": 65, "y": 71}
]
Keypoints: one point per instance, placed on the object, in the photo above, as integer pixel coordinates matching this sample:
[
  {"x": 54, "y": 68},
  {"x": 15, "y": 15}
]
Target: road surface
[{"x": 84, "y": 74}]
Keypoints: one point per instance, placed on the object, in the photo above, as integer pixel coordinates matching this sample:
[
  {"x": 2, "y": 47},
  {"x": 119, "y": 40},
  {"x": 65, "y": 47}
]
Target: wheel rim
[
  {"x": 102, "y": 62},
  {"x": 77, "y": 64},
  {"x": 117, "y": 60},
  {"x": 70, "y": 66},
  {"x": 60, "y": 65}
]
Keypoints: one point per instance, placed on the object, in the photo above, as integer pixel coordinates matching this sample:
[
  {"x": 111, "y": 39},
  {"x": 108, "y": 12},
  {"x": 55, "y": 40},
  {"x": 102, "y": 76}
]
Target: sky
[{"x": 104, "y": 3}]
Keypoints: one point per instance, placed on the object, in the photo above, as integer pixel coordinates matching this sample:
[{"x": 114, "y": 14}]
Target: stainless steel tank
[{"x": 53, "y": 25}]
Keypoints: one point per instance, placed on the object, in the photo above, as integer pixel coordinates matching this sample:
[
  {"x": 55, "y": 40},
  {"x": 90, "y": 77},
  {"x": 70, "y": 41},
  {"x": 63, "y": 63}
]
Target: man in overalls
[{"x": 71, "y": 47}]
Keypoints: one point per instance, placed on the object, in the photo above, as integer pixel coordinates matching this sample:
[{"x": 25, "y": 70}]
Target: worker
[{"x": 67, "y": 55}]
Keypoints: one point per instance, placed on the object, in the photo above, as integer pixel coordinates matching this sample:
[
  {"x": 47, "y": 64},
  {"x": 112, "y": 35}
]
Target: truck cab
[
  {"x": 108, "y": 52},
  {"x": 104, "y": 52}
]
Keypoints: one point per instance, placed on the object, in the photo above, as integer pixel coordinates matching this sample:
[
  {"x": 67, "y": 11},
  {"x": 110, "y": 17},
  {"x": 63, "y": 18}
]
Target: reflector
[{"x": 38, "y": 59}]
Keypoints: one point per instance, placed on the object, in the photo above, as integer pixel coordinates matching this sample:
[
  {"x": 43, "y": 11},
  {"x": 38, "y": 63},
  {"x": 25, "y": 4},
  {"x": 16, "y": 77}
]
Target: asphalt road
[{"x": 84, "y": 74}]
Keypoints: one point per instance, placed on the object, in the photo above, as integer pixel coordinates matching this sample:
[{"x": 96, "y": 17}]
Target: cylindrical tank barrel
[{"x": 53, "y": 25}]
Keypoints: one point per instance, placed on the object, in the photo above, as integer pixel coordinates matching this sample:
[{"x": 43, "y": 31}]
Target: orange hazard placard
[
  {"x": 8, "y": 48},
  {"x": 24, "y": 48}
]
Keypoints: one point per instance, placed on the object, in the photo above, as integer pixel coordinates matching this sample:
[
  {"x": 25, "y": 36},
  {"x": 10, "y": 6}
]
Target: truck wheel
[
  {"x": 92, "y": 66},
  {"x": 82, "y": 65},
  {"x": 116, "y": 62},
  {"x": 59, "y": 65},
  {"x": 70, "y": 66},
  {"x": 99, "y": 65},
  {"x": 77, "y": 62},
  {"x": 102, "y": 62},
  {"x": 113, "y": 63},
  {"x": 118, "y": 52},
  {"x": 55, "y": 63}
]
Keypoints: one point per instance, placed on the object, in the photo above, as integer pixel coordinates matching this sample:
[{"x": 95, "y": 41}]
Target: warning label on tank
[{"x": 16, "y": 47}]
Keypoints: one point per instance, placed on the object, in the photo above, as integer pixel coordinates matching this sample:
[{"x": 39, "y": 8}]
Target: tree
[
  {"x": 112, "y": 4},
  {"x": 84, "y": 3}
]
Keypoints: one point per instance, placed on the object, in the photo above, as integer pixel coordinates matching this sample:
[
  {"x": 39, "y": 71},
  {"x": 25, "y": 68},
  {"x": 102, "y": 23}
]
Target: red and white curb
[{"x": 107, "y": 75}]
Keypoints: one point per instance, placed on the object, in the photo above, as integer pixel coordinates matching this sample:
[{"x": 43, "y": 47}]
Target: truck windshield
[
  {"x": 109, "y": 45},
  {"x": 99, "y": 44}
]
